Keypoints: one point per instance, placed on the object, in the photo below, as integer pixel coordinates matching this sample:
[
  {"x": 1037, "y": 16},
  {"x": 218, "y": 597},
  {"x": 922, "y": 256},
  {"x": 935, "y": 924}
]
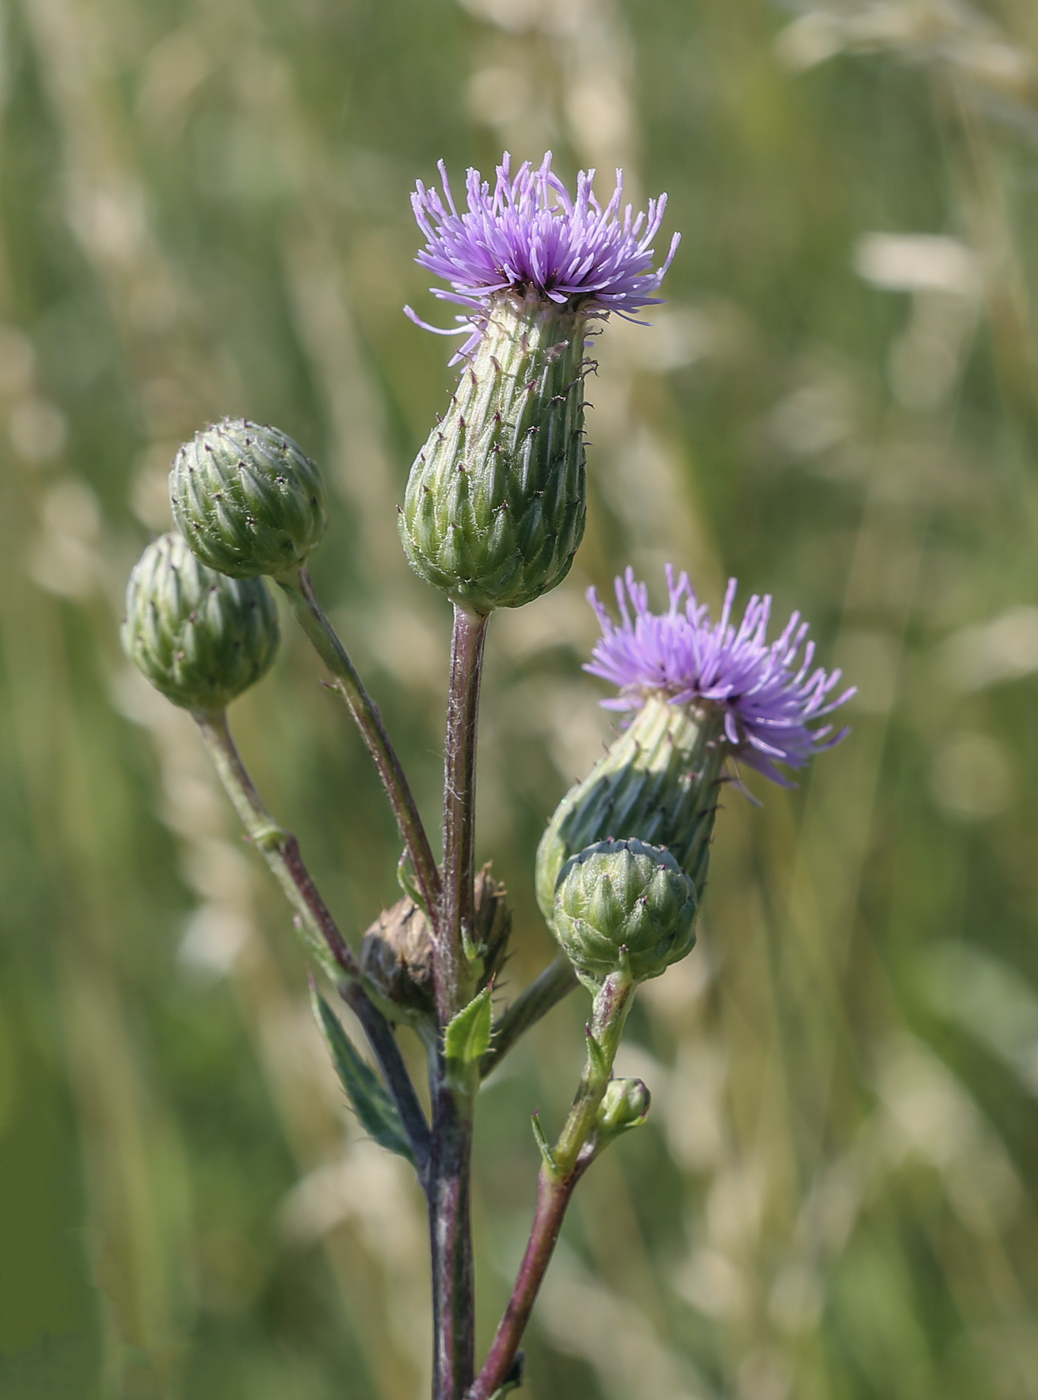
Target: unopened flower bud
[
  {"x": 495, "y": 503},
  {"x": 624, "y": 1105},
  {"x": 247, "y": 499},
  {"x": 624, "y": 904},
  {"x": 200, "y": 637}
]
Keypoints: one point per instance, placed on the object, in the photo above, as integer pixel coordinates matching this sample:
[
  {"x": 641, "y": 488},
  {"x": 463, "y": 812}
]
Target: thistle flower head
[
  {"x": 766, "y": 691},
  {"x": 528, "y": 236}
]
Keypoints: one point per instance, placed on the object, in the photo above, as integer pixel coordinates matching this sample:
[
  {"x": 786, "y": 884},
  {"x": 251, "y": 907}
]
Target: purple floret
[
  {"x": 529, "y": 235},
  {"x": 768, "y": 695}
]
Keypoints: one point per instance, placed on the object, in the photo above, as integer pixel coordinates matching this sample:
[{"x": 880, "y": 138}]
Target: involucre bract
[
  {"x": 657, "y": 782},
  {"x": 495, "y": 502}
]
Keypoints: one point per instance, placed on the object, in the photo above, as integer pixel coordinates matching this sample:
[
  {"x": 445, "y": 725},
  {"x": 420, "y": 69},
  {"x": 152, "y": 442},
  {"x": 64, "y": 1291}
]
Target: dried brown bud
[
  {"x": 397, "y": 952},
  {"x": 397, "y": 956}
]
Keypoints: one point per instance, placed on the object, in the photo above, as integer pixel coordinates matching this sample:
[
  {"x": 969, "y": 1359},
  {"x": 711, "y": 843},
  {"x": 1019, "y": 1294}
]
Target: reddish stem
[
  {"x": 450, "y": 1236},
  {"x": 450, "y": 1163},
  {"x": 300, "y": 593},
  {"x": 552, "y": 1199}
]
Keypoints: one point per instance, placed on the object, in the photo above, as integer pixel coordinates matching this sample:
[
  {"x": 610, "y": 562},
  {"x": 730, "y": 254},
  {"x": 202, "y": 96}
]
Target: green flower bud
[
  {"x": 624, "y": 904},
  {"x": 625, "y": 1104},
  {"x": 657, "y": 782},
  {"x": 495, "y": 503},
  {"x": 199, "y": 637},
  {"x": 247, "y": 500}
]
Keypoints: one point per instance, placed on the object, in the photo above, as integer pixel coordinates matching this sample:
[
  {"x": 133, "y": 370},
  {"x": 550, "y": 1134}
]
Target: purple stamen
[
  {"x": 528, "y": 235},
  {"x": 768, "y": 693}
]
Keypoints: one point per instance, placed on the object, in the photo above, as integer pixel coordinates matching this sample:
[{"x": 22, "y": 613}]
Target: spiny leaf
[
  {"x": 371, "y": 1103},
  {"x": 467, "y": 1038}
]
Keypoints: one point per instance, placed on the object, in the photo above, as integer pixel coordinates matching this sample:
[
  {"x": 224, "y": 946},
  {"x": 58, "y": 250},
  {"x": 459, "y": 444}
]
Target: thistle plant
[{"x": 492, "y": 516}]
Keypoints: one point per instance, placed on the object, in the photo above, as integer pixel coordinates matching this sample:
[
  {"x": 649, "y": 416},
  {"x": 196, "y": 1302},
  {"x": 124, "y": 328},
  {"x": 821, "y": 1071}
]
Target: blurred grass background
[{"x": 204, "y": 211}]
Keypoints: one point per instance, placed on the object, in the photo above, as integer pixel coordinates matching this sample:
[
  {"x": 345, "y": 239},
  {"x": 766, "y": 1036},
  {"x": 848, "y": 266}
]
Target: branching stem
[
  {"x": 574, "y": 1152},
  {"x": 300, "y": 593},
  {"x": 280, "y": 850}
]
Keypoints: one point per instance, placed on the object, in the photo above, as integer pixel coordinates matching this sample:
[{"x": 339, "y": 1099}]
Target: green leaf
[
  {"x": 470, "y": 949},
  {"x": 600, "y": 1064},
  {"x": 371, "y": 1103},
  {"x": 467, "y": 1039},
  {"x": 544, "y": 1145}
]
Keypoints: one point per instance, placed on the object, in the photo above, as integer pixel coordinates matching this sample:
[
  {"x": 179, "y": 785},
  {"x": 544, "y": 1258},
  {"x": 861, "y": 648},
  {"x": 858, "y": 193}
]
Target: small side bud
[
  {"x": 396, "y": 955},
  {"x": 247, "y": 499},
  {"x": 623, "y": 905},
  {"x": 198, "y": 636},
  {"x": 625, "y": 1105}
]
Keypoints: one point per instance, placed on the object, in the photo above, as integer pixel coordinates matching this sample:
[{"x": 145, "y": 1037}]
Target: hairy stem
[
  {"x": 280, "y": 850},
  {"x": 450, "y": 1238},
  {"x": 556, "y": 982},
  {"x": 457, "y": 919},
  {"x": 300, "y": 593},
  {"x": 450, "y": 1165}
]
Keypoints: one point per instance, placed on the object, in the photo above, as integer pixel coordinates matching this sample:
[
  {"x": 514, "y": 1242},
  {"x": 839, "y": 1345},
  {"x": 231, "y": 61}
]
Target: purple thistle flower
[
  {"x": 530, "y": 237},
  {"x": 766, "y": 692}
]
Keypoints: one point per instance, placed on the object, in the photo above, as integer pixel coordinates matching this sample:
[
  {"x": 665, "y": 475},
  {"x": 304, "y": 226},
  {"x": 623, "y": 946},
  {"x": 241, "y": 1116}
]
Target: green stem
[
  {"x": 608, "y": 1017},
  {"x": 573, "y": 1153},
  {"x": 280, "y": 850},
  {"x": 556, "y": 982},
  {"x": 300, "y": 593}
]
